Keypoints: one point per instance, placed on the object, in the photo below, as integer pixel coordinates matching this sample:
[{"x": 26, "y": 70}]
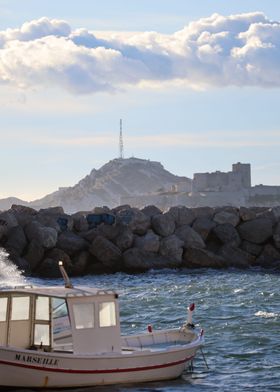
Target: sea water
[{"x": 239, "y": 311}]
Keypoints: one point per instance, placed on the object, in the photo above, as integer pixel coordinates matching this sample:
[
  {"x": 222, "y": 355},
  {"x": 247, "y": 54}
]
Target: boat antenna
[
  {"x": 67, "y": 281},
  {"x": 121, "y": 141}
]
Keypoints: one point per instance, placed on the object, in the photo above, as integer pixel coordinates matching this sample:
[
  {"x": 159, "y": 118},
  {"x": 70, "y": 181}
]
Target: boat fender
[{"x": 150, "y": 329}]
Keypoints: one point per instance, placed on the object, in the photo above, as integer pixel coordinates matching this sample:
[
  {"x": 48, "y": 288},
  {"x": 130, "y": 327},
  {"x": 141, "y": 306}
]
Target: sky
[{"x": 196, "y": 83}]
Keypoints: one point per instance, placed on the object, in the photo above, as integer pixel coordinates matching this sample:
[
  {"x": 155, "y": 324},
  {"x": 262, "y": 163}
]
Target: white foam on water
[
  {"x": 266, "y": 314},
  {"x": 10, "y": 275}
]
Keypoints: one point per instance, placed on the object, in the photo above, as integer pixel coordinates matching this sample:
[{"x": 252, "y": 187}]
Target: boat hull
[{"x": 39, "y": 369}]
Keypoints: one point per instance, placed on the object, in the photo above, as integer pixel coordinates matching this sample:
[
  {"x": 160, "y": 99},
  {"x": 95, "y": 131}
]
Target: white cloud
[{"x": 215, "y": 51}]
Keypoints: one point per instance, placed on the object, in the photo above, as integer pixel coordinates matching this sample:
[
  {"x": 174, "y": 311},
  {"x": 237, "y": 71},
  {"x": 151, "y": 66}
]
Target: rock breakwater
[{"x": 133, "y": 240}]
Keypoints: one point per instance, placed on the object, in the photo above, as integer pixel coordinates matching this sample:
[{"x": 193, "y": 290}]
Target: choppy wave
[{"x": 10, "y": 275}]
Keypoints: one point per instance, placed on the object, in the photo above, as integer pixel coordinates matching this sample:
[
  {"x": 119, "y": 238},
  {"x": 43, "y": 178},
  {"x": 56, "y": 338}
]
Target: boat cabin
[{"x": 86, "y": 319}]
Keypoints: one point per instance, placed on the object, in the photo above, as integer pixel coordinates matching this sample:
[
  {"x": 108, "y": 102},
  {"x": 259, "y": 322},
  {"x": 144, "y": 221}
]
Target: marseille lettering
[{"x": 36, "y": 360}]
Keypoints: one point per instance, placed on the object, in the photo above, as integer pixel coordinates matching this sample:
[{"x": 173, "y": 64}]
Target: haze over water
[{"x": 239, "y": 311}]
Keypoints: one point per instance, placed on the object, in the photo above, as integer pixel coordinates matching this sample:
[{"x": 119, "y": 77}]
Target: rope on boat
[{"x": 204, "y": 358}]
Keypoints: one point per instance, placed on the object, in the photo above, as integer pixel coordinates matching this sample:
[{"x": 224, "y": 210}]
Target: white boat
[{"x": 70, "y": 337}]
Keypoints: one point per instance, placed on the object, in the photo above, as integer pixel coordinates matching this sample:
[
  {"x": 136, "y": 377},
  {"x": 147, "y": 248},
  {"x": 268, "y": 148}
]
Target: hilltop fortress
[{"x": 231, "y": 188}]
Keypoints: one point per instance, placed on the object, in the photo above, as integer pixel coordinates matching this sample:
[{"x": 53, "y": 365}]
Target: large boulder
[
  {"x": 44, "y": 235},
  {"x": 203, "y": 226},
  {"x": 16, "y": 241},
  {"x": 247, "y": 214},
  {"x": 251, "y": 248},
  {"x": 23, "y": 214},
  {"x": 204, "y": 212},
  {"x": 151, "y": 210},
  {"x": 49, "y": 269},
  {"x": 71, "y": 243},
  {"x": 227, "y": 234},
  {"x": 202, "y": 258},
  {"x": 276, "y": 236},
  {"x": 269, "y": 257},
  {"x": 80, "y": 223},
  {"x": 226, "y": 217},
  {"x": 257, "y": 230},
  {"x": 182, "y": 215},
  {"x": 124, "y": 239},
  {"x": 137, "y": 221},
  {"x": 35, "y": 254},
  {"x": 236, "y": 257},
  {"x": 7, "y": 221},
  {"x": 149, "y": 242},
  {"x": 80, "y": 263},
  {"x": 172, "y": 248},
  {"x": 163, "y": 224},
  {"x": 56, "y": 218},
  {"x": 137, "y": 260},
  {"x": 190, "y": 237},
  {"x": 106, "y": 252}
]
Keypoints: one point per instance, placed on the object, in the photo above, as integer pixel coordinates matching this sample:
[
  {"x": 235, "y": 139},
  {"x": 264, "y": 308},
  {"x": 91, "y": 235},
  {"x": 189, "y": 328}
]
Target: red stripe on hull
[{"x": 104, "y": 371}]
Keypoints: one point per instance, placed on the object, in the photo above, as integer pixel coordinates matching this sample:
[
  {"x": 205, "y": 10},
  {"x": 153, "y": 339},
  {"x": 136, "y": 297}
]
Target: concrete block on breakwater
[{"x": 133, "y": 240}]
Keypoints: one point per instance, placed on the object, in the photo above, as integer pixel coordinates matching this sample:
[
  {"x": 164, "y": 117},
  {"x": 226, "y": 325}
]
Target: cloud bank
[{"x": 236, "y": 50}]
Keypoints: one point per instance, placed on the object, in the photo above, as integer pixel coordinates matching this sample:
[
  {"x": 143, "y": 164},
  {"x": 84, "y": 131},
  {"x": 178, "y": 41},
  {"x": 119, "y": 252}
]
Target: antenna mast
[{"x": 121, "y": 141}]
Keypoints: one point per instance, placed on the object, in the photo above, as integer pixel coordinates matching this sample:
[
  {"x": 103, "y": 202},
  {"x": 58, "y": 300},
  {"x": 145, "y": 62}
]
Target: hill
[{"x": 106, "y": 186}]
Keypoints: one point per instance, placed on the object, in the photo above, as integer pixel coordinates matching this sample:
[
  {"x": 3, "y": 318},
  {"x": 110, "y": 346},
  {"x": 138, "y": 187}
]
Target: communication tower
[{"x": 121, "y": 141}]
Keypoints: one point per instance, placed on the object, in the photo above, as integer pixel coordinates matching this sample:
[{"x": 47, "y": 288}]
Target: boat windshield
[{"x": 61, "y": 322}]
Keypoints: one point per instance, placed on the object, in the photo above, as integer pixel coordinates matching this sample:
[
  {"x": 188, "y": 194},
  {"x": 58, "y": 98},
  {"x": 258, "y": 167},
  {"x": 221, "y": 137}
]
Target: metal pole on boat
[{"x": 67, "y": 281}]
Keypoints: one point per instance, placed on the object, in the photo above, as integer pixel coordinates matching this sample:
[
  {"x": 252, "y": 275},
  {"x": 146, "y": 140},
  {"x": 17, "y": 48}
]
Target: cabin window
[
  {"x": 20, "y": 308},
  {"x": 83, "y": 315},
  {"x": 107, "y": 314},
  {"x": 3, "y": 308},
  {"x": 42, "y": 308},
  {"x": 60, "y": 316},
  {"x": 42, "y": 335}
]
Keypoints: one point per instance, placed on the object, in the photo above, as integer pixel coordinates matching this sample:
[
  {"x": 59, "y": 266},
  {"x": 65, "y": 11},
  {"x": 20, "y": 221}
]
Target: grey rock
[
  {"x": 190, "y": 237},
  {"x": 80, "y": 222},
  {"x": 149, "y": 242},
  {"x": 35, "y": 254},
  {"x": 49, "y": 269},
  {"x": 182, "y": 215},
  {"x": 251, "y": 248},
  {"x": 137, "y": 221},
  {"x": 163, "y": 224},
  {"x": 125, "y": 239},
  {"x": 23, "y": 214},
  {"x": 276, "y": 213},
  {"x": 226, "y": 217},
  {"x": 52, "y": 211},
  {"x": 80, "y": 263},
  {"x": 151, "y": 210},
  {"x": 172, "y": 248},
  {"x": 71, "y": 243},
  {"x": 57, "y": 255},
  {"x": 110, "y": 231},
  {"x": 247, "y": 214},
  {"x": 45, "y": 236},
  {"x": 227, "y": 234},
  {"x": 204, "y": 212},
  {"x": 276, "y": 236},
  {"x": 268, "y": 257},
  {"x": 16, "y": 240},
  {"x": 106, "y": 252},
  {"x": 203, "y": 226},
  {"x": 202, "y": 258},
  {"x": 257, "y": 230},
  {"x": 136, "y": 260},
  {"x": 7, "y": 222},
  {"x": 235, "y": 257}
]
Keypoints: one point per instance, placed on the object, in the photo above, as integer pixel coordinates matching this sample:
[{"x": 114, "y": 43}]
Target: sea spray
[{"x": 10, "y": 275}]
